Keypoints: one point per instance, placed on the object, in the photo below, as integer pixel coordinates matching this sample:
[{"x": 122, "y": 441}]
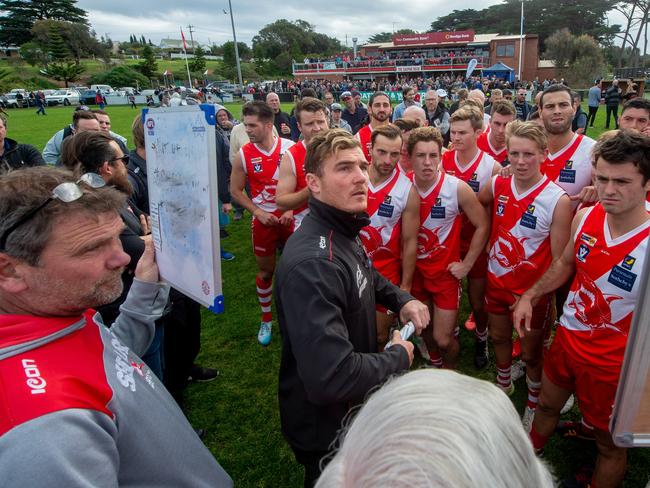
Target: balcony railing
[{"x": 389, "y": 64}]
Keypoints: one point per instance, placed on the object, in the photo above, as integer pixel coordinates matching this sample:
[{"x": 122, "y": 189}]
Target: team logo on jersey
[
  {"x": 587, "y": 239},
  {"x": 592, "y": 308},
  {"x": 568, "y": 164},
  {"x": 583, "y": 251},
  {"x": 428, "y": 243},
  {"x": 373, "y": 242},
  {"x": 500, "y": 209},
  {"x": 628, "y": 262},
  {"x": 531, "y": 209},
  {"x": 474, "y": 177},
  {"x": 388, "y": 199},
  {"x": 257, "y": 167},
  {"x": 438, "y": 202},
  {"x": 508, "y": 251}
]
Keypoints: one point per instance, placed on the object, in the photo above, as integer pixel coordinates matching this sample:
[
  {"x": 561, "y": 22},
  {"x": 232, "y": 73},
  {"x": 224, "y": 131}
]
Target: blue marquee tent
[{"x": 500, "y": 70}]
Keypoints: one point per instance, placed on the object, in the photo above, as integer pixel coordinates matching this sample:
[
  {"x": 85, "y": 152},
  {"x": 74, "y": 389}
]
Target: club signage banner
[{"x": 433, "y": 38}]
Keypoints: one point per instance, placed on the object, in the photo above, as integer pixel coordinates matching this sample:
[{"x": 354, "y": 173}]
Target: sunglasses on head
[{"x": 66, "y": 192}]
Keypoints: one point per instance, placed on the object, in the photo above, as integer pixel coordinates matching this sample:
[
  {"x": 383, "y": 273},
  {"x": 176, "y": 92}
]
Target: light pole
[
  {"x": 521, "y": 41},
  {"x": 234, "y": 36}
]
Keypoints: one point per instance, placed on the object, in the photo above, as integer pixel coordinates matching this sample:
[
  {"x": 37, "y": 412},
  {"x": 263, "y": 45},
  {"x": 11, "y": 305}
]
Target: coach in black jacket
[{"x": 326, "y": 291}]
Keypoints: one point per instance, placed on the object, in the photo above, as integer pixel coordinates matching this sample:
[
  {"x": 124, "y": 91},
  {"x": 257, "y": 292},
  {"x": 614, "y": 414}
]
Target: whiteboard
[
  {"x": 183, "y": 199},
  {"x": 630, "y": 422}
]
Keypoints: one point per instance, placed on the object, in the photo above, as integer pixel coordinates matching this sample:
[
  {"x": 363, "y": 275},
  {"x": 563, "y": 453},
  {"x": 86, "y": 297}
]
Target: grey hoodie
[{"x": 79, "y": 408}]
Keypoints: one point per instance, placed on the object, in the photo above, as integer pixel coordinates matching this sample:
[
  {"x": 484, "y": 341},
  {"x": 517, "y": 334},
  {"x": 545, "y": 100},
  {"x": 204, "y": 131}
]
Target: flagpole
[
  {"x": 189, "y": 77},
  {"x": 521, "y": 40}
]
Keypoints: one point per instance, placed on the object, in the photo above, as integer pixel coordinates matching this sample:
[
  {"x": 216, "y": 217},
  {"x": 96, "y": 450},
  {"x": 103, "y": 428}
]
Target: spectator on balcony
[
  {"x": 336, "y": 122},
  {"x": 352, "y": 114},
  {"x": 408, "y": 95}
]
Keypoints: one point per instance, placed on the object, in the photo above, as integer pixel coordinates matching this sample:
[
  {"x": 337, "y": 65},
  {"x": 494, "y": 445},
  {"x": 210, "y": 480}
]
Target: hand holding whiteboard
[{"x": 182, "y": 177}]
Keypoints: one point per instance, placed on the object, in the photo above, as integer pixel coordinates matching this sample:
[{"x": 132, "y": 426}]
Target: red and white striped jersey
[
  {"x": 386, "y": 202},
  {"x": 598, "y": 310},
  {"x": 483, "y": 143},
  {"x": 476, "y": 173},
  {"x": 263, "y": 170},
  {"x": 570, "y": 167},
  {"x": 520, "y": 241},
  {"x": 440, "y": 223},
  {"x": 364, "y": 137},
  {"x": 296, "y": 154}
]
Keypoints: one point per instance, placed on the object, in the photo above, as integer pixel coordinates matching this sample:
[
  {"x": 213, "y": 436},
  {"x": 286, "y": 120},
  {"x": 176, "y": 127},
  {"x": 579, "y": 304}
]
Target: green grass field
[{"x": 239, "y": 409}]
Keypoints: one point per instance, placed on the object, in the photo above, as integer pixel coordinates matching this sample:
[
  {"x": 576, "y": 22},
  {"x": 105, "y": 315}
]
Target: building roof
[{"x": 177, "y": 43}]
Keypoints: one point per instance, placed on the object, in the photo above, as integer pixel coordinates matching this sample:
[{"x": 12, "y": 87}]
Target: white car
[{"x": 65, "y": 97}]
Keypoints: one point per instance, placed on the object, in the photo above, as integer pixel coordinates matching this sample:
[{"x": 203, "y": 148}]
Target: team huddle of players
[{"x": 519, "y": 209}]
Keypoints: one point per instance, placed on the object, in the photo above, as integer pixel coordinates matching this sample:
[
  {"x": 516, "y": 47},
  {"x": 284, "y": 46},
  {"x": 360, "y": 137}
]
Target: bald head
[
  {"x": 477, "y": 95},
  {"x": 416, "y": 114},
  {"x": 273, "y": 100}
]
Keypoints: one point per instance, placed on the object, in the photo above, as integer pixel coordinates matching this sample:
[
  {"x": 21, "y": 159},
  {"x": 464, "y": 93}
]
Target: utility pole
[
  {"x": 234, "y": 38},
  {"x": 190, "y": 27}
]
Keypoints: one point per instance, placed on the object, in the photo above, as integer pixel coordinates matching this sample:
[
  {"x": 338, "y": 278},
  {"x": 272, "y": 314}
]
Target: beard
[
  {"x": 121, "y": 182},
  {"x": 558, "y": 129}
]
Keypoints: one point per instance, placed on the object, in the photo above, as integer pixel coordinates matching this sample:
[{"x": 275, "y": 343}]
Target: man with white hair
[
  {"x": 436, "y": 113},
  {"x": 479, "y": 432},
  {"x": 416, "y": 114},
  {"x": 478, "y": 96}
]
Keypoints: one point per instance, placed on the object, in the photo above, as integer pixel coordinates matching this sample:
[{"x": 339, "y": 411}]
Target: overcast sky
[{"x": 157, "y": 19}]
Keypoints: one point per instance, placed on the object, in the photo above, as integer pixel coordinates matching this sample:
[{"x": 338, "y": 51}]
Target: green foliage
[
  {"x": 580, "y": 16},
  {"x": 294, "y": 39},
  {"x": 148, "y": 66},
  {"x": 578, "y": 59},
  {"x": 78, "y": 40},
  {"x": 228, "y": 52},
  {"x": 57, "y": 47},
  {"x": 33, "y": 53},
  {"x": 120, "y": 76},
  {"x": 197, "y": 63},
  {"x": 388, "y": 36},
  {"x": 62, "y": 70},
  {"x": 20, "y": 16}
]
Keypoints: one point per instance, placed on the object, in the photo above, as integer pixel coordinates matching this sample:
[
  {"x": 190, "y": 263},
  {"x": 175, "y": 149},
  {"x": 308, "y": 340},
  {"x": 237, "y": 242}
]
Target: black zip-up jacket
[
  {"x": 18, "y": 156},
  {"x": 326, "y": 291}
]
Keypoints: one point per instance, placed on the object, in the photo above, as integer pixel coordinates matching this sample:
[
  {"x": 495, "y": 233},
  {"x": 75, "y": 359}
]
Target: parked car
[
  {"x": 65, "y": 97},
  {"x": 87, "y": 97},
  {"x": 12, "y": 100}
]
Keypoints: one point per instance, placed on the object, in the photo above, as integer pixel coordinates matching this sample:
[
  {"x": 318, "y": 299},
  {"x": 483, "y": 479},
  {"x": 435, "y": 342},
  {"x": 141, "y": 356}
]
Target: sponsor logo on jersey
[
  {"x": 628, "y": 262},
  {"x": 622, "y": 278},
  {"x": 528, "y": 220},
  {"x": 256, "y": 160},
  {"x": 385, "y": 210},
  {"x": 34, "y": 380},
  {"x": 587, "y": 239},
  {"x": 583, "y": 251},
  {"x": 503, "y": 198}
]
